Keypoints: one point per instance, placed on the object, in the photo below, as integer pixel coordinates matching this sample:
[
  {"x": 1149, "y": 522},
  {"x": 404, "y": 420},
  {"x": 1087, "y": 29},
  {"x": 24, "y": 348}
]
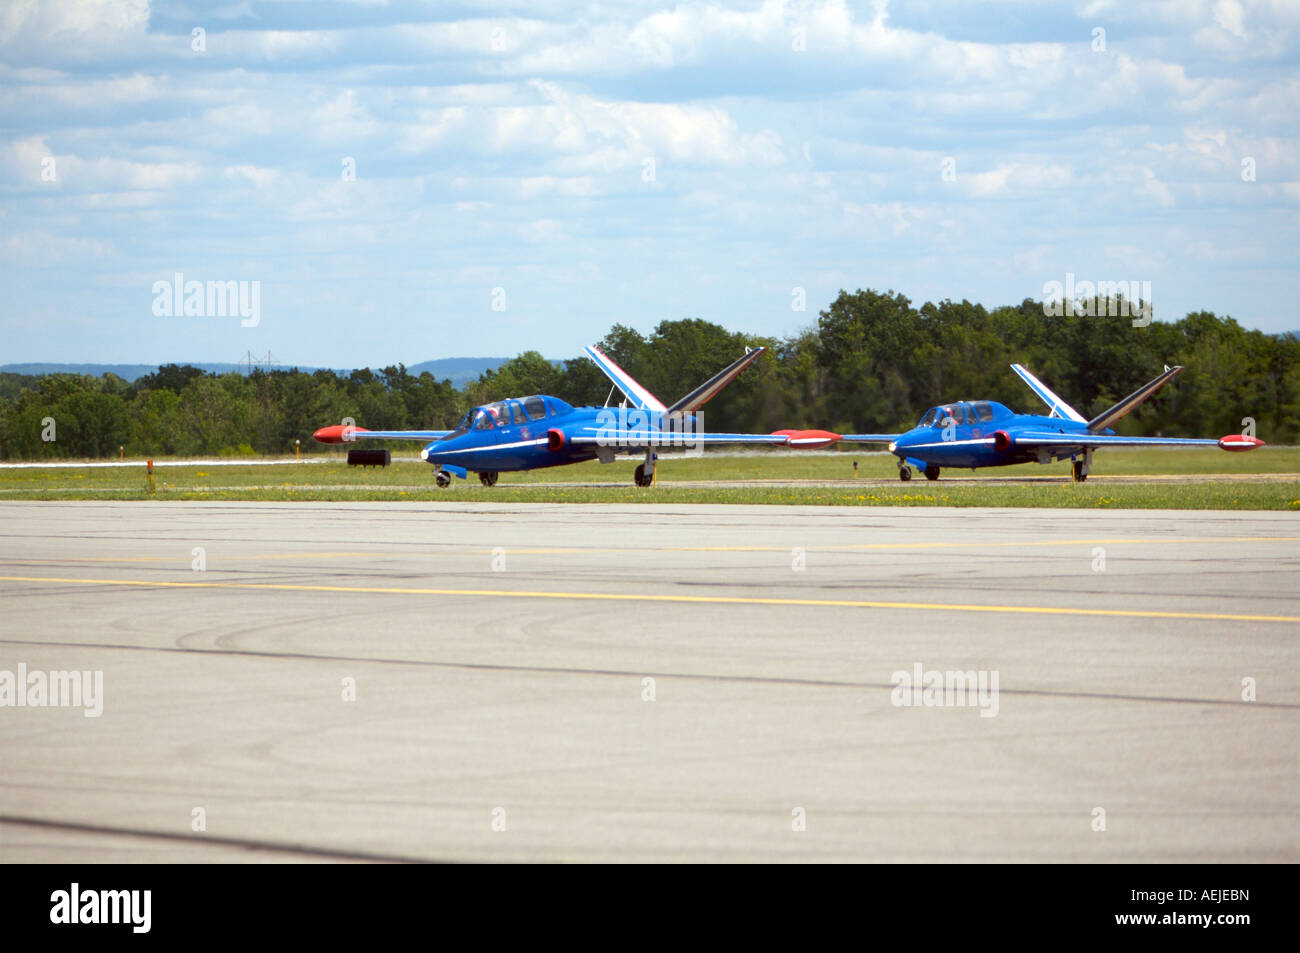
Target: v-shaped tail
[
  {"x": 631, "y": 388},
  {"x": 1130, "y": 403},
  {"x": 1059, "y": 407},
  {"x": 639, "y": 395},
  {"x": 711, "y": 388}
]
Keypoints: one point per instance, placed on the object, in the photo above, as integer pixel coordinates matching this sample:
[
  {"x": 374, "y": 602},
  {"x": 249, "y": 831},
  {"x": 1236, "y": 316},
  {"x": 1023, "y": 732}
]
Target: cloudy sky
[{"x": 409, "y": 180}]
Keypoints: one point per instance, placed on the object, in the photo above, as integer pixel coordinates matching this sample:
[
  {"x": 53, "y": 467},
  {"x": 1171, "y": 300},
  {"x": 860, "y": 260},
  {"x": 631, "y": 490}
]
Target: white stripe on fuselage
[
  {"x": 491, "y": 447},
  {"x": 946, "y": 443}
]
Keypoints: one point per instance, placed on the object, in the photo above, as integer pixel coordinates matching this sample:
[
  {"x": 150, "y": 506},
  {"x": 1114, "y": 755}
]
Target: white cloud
[
  {"x": 71, "y": 20},
  {"x": 43, "y": 249},
  {"x": 259, "y": 178},
  {"x": 605, "y": 134},
  {"x": 1230, "y": 15},
  {"x": 1153, "y": 187},
  {"x": 542, "y": 230}
]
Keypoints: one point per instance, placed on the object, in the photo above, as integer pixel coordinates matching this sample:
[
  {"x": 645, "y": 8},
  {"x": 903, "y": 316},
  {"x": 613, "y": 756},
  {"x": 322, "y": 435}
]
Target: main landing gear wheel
[
  {"x": 1079, "y": 473},
  {"x": 932, "y": 471},
  {"x": 905, "y": 473},
  {"x": 443, "y": 479},
  {"x": 488, "y": 478},
  {"x": 642, "y": 478}
]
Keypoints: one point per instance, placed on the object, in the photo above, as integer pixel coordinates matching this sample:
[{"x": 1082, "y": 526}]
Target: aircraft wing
[
  {"x": 869, "y": 437},
  {"x": 1049, "y": 438},
  {"x": 341, "y": 434}
]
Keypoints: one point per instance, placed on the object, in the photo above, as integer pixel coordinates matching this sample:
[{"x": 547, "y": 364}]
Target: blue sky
[{"x": 626, "y": 162}]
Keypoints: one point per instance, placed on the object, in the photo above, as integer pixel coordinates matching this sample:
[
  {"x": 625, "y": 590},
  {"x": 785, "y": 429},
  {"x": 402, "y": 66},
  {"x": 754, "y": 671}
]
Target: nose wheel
[
  {"x": 905, "y": 473},
  {"x": 443, "y": 479},
  {"x": 488, "y": 478}
]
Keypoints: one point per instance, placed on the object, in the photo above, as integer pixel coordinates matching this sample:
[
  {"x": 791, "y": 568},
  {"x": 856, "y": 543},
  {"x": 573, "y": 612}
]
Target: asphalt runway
[{"x": 504, "y": 658}]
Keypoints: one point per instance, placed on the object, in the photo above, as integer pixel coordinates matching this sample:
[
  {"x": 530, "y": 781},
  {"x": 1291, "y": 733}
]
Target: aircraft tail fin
[
  {"x": 713, "y": 386},
  {"x": 634, "y": 391},
  {"x": 1130, "y": 403},
  {"x": 1059, "y": 407}
]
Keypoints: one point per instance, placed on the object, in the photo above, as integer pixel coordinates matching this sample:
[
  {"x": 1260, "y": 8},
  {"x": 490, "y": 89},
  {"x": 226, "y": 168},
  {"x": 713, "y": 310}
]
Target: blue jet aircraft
[
  {"x": 528, "y": 433},
  {"x": 984, "y": 433}
]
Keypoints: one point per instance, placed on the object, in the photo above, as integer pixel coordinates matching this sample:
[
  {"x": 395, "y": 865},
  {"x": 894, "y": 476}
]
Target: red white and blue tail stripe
[
  {"x": 635, "y": 392},
  {"x": 1059, "y": 407}
]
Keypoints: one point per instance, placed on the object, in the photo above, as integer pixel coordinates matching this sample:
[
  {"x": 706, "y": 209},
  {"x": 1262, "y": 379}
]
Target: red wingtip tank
[
  {"x": 807, "y": 439},
  {"x": 337, "y": 433},
  {"x": 1239, "y": 442}
]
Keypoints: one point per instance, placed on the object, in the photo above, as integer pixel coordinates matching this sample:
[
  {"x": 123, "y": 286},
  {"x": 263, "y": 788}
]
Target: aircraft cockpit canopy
[
  {"x": 515, "y": 411},
  {"x": 939, "y": 416},
  {"x": 963, "y": 412}
]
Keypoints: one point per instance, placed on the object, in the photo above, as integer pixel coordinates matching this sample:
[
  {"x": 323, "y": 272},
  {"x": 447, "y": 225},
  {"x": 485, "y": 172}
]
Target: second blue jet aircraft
[{"x": 984, "y": 433}]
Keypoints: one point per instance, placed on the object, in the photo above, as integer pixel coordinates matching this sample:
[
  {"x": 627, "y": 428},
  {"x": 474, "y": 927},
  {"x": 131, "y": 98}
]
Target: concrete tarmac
[{"x": 672, "y": 682}]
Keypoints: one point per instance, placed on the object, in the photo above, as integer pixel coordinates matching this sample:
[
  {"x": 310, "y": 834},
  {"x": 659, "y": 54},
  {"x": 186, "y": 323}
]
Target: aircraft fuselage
[
  {"x": 524, "y": 435},
  {"x": 981, "y": 434}
]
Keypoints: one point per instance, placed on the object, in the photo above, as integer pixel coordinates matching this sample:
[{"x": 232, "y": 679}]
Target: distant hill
[
  {"x": 459, "y": 370},
  {"x": 126, "y": 371}
]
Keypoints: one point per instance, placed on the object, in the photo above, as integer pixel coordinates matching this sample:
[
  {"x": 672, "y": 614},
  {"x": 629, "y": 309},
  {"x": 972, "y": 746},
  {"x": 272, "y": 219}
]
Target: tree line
[{"x": 872, "y": 362}]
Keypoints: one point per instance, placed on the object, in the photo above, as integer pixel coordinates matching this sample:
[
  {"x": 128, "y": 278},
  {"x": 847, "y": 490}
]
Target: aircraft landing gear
[
  {"x": 443, "y": 479},
  {"x": 905, "y": 473},
  {"x": 488, "y": 477},
  {"x": 1081, "y": 467},
  {"x": 644, "y": 475},
  {"x": 932, "y": 471}
]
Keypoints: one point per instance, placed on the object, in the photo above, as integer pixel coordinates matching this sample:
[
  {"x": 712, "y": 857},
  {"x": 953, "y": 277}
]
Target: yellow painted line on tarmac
[{"x": 646, "y": 597}]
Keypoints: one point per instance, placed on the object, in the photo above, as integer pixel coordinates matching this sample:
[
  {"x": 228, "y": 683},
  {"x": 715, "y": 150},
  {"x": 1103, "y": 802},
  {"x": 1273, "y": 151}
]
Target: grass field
[{"x": 1023, "y": 486}]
